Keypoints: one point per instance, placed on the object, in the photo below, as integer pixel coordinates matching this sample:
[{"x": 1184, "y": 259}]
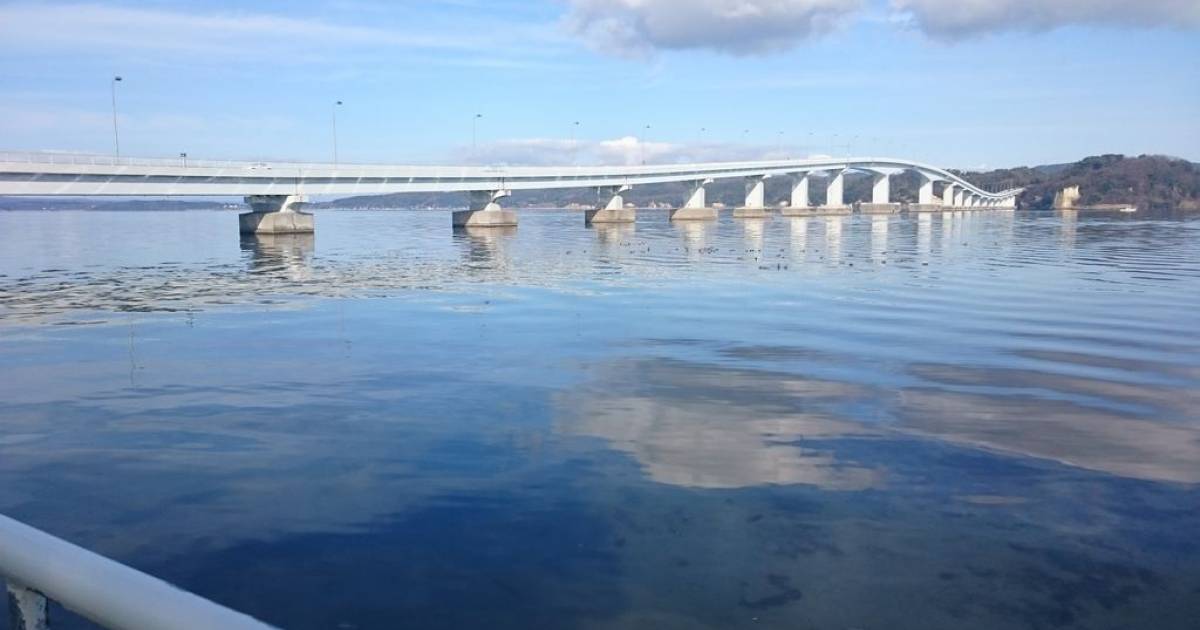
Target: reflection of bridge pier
[
  {"x": 611, "y": 234},
  {"x": 924, "y": 236},
  {"x": 485, "y": 246},
  {"x": 799, "y": 239},
  {"x": 280, "y": 252},
  {"x": 695, "y": 235},
  {"x": 879, "y": 236},
  {"x": 833, "y": 238},
  {"x": 753, "y": 234}
]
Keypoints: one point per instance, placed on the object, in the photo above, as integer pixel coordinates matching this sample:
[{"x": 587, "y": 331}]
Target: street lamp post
[
  {"x": 642, "y": 144},
  {"x": 183, "y": 156},
  {"x": 575, "y": 143},
  {"x": 474, "y": 145},
  {"x": 335, "y": 147},
  {"x": 116, "y": 132}
]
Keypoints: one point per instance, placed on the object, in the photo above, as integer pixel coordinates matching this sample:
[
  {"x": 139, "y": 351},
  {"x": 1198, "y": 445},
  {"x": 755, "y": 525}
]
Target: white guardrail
[{"x": 38, "y": 566}]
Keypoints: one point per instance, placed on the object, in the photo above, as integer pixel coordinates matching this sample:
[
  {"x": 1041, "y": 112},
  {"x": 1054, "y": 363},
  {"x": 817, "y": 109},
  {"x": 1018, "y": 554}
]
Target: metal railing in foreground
[{"x": 38, "y": 566}]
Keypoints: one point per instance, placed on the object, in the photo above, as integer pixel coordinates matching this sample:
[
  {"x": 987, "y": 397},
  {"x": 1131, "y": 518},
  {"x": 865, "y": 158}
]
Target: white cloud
[
  {"x": 959, "y": 19},
  {"x": 635, "y": 28}
]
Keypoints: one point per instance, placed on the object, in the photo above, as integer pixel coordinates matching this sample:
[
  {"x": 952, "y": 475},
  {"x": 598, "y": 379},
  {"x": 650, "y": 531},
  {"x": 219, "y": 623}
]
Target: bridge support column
[
  {"x": 755, "y": 206},
  {"x": 948, "y": 195},
  {"x": 695, "y": 208},
  {"x": 275, "y": 214},
  {"x": 881, "y": 191},
  {"x": 925, "y": 198},
  {"x": 925, "y": 193},
  {"x": 485, "y": 211},
  {"x": 799, "y": 205},
  {"x": 834, "y": 190},
  {"x": 611, "y": 208},
  {"x": 958, "y": 197}
]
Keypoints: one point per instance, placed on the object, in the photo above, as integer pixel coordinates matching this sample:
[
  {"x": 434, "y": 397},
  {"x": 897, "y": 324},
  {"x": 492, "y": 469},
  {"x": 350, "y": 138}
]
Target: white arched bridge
[{"x": 276, "y": 190}]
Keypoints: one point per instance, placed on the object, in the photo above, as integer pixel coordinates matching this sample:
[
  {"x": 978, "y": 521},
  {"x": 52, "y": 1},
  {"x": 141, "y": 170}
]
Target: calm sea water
[{"x": 977, "y": 420}]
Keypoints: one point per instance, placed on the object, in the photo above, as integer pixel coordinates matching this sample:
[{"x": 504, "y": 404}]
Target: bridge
[{"x": 276, "y": 191}]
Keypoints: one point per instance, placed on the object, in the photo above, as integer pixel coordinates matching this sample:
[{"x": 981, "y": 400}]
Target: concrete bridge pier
[
  {"x": 485, "y": 211},
  {"x": 755, "y": 206},
  {"x": 948, "y": 197},
  {"x": 799, "y": 206},
  {"x": 834, "y": 193},
  {"x": 925, "y": 198},
  {"x": 275, "y": 214},
  {"x": 611, "y": 208},
  {"x": 695, "y": 208},
  {"x": 881, "y": 193}
]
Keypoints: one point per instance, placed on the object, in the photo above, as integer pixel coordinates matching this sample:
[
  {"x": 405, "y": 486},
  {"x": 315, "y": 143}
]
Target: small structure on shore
[{"x": 1066, "y": 198}]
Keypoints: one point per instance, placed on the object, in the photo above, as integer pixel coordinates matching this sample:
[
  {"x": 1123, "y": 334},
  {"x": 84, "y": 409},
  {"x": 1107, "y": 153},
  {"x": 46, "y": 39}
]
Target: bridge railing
[
  {"x": 38, "y": 566},
  {"x": 87, "y": 159}
]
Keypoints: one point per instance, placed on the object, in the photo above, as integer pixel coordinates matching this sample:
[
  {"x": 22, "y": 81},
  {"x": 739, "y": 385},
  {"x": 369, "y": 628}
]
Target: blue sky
[{"x": 985, "y": 83}]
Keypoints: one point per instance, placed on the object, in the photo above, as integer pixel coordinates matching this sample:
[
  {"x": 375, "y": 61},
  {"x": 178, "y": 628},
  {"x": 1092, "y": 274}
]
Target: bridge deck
[{"x": 83, "y": 175}]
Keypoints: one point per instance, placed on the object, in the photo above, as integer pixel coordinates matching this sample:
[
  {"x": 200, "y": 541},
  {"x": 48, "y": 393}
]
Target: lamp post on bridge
[
  {"x": 575, "y": 143},
  {"x": 116, "y": 132},
  {"x": 183, "y": 156},
  {"x": 474, "y": 136},
  {"x": 642, "y": 145},
  {"x": 334, "y": 109}
]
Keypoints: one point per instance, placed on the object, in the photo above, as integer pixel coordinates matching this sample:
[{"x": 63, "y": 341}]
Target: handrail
[{"x": 113, "y": 595}]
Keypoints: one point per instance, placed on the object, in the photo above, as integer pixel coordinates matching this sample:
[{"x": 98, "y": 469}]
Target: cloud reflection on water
[{"x": 704, "y": 426}]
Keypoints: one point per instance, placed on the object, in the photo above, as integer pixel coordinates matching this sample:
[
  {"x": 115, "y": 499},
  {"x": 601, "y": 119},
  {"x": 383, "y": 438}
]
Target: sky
[{"x": 957, "y": 83}]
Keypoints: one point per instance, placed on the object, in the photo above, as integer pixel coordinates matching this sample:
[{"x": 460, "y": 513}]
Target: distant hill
[
  {"x": 1151, "y": 182},
  {"x": 1154, "y": 183}
]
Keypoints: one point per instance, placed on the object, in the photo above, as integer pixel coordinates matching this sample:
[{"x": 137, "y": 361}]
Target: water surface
[{"x": 984, "y": 420}]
